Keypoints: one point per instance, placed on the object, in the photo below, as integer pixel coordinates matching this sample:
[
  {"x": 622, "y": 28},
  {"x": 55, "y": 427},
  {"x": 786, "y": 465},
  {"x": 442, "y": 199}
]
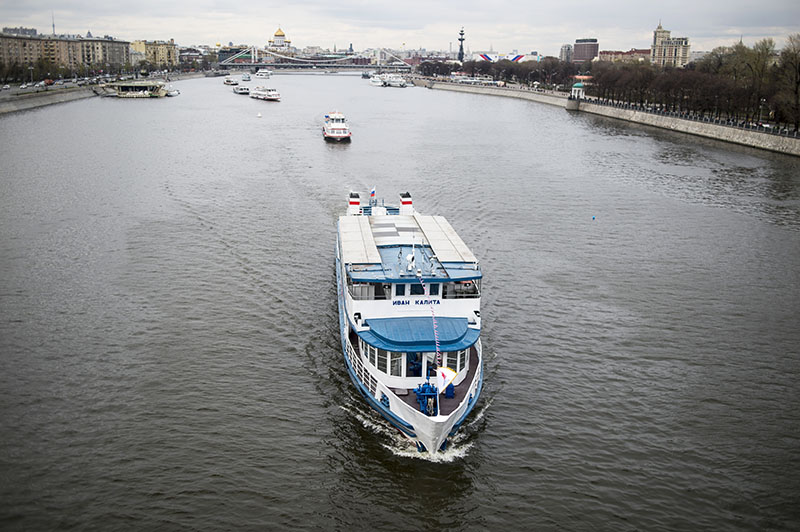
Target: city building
[
  {"x": 29, "y": 32},
  {"x": 585, "y": 50},
  {"x": 58, "y": 50},
  {"x": 634, "y": 55},
  {"x": 668, "y": 51},
  {"x": 566, "y": 53},
  {"x": 158, "y": 53}
]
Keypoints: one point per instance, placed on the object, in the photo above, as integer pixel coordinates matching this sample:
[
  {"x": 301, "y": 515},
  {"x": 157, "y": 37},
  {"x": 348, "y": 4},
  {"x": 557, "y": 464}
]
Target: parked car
[
  {"x": 6, "y": 87},
  {"x": 23, "y": 86}
]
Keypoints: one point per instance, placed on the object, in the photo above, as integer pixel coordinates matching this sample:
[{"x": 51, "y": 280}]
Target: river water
[{"x": 169, "y": 352}]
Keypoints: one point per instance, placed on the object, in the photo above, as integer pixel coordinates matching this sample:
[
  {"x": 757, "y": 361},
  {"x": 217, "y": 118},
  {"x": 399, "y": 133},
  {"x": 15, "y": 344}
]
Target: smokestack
[
  {"x": 354, "y": 204},
  {"x": 406, "y": 205}
]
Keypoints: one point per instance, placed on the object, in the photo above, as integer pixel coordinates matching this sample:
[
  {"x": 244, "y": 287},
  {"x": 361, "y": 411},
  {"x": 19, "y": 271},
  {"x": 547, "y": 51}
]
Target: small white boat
[
  {"x": 265, "y": 93},
  {"x": 246, "y": 76},
  {"x": 230, "y": 81},
  {"x": 264, "y": 73},
  {"x": 173, "y": 92},
  {"x": 377, "y": 80},
  {"x": 409, "y": 293},
  {"x": 242, "y": 89},
  {"x": 336, "y": 127}
]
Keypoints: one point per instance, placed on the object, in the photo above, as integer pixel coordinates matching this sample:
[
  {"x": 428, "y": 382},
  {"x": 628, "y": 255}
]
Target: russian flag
[{"x": 372, "y": 193}]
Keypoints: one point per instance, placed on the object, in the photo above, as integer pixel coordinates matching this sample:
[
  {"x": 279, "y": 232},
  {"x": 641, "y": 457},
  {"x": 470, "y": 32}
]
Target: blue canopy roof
[{"x": 416, "y": 334}]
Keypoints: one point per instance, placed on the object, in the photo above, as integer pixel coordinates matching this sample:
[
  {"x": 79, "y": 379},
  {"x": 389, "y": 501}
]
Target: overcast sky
[{"x": 500, "y": 25}]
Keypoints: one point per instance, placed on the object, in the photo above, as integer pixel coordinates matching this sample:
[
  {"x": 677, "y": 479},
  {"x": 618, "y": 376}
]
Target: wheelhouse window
[
  {"x": 396, "y": 364},
  {"x": 417, "y": 289},
  {"x": 399, "y": 289},
  {"x": 434, "y": 289},
  {"x": 462, "y": 289}
]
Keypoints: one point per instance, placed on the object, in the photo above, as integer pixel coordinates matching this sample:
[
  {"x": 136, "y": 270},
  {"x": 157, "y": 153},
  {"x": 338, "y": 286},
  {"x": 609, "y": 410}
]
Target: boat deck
[{"x": 446, "y": 405}]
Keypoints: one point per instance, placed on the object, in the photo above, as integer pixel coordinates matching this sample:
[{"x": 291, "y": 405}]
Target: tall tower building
[
  {"x": 461, "y": 45},
  {"x": 566, "y": 53},
  {"x": 669, "y": 51},
  {"x": 585, "y": 50}
]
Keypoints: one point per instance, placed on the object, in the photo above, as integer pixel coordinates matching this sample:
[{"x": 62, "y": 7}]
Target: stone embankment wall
[
  {"x": 754, "y": 139},
  {"x": 508, "y": 92},
  {"x": 42, "y": 98}
]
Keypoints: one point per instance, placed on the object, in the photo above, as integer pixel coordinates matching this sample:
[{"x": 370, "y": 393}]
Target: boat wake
[{"x": 458, "y": 445}]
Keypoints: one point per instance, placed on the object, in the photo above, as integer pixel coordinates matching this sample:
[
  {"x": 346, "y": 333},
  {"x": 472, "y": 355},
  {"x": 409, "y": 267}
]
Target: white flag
[{"x": 444, "y": 376}]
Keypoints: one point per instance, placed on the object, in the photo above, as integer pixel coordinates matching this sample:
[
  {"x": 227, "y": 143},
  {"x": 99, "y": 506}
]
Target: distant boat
[
  {"x": 173, "y": 92},
  {"x": 336, "y": 127},
  {"x": 395, "y": 80},
  {"x": 246, "y": 76},
  {"x": 230, "y": 81},
  {"x": 242, "y": 89},
  {"x": 264, "y": 73},
  {"x": 265, "y": 93}
]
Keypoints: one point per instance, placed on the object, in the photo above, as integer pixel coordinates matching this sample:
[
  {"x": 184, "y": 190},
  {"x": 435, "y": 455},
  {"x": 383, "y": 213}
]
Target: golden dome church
[{"x": 279, "y": 41}]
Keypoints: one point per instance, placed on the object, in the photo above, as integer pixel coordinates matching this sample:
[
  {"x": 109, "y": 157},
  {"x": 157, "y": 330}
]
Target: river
[{"x": 169, "y": 351}]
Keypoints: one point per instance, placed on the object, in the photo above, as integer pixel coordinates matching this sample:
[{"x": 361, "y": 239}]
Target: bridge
[{"x": 260, "y": 58}]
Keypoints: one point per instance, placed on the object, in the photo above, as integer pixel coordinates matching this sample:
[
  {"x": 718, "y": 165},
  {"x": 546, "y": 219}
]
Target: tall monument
[{"x": 461, "y": 45}]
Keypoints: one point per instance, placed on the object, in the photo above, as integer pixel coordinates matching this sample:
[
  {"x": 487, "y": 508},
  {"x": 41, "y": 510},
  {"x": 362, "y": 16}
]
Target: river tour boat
[
  {"x": 336, "y": 128},
  {"x": 241, "y": 89},
  {"x": 265, "y": 93},
  {"x": 409, "y": 317}
]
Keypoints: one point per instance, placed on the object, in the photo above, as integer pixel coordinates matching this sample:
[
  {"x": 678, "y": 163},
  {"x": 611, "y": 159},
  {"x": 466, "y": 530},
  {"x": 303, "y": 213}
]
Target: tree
[{"x": 788, "y": 81}]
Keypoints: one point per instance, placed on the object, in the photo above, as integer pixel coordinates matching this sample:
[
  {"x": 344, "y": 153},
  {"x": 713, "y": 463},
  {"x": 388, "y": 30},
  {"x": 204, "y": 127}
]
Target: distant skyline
[{"x": 502, "y": 26}]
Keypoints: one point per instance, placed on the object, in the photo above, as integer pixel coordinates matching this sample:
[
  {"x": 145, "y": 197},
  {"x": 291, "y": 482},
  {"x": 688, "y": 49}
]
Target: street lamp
[{"x": 31, "y": 69}]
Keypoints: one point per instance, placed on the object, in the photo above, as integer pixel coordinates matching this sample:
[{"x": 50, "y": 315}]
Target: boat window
[
  {"x": 462, "y": 359},
  {"x": 373, "y": 355},
  {"x": 413, "y": 365},
  {"x": 396, "y": 365},
  {"x": 399, "y": 289},
  {"x": 382, "y": 355},
  {"x": 461, "y": 289},
  {"x": 434, "y": 289},
  {"x": 417, "y": 289}
]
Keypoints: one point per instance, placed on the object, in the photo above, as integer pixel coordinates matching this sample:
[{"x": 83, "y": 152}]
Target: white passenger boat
[
  {"x": 377, "y": 80},
  {"x": 265, "y": 93},
  {"x": 230, "y": 81},
  {"x": 336, "y": 127},
  {"x": 263, "y": 73},
  {"x": 242, "y": 89},
  {"x": 246, "y": 76},
  {"x": 395, "y": 80},
  {"x": 409, "y": 317}
]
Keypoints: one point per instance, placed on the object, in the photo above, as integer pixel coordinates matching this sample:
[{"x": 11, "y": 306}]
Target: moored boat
[
  {"x": 336, "y": 127},
  {"x": 395, "y": 80},
  {"x": 136, "y": 89},
  {"x": 409, "y": 317},
  {"x": 265, "y": 93}
]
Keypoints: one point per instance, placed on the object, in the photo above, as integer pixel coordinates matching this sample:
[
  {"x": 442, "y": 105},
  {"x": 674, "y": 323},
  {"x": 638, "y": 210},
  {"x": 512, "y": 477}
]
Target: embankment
[
  {"x": 754, "y": 139},
  {"x": 32, "y": 100}
]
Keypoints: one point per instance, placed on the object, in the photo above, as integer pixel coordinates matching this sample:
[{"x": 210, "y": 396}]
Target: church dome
[{"x": 280, "y": 33}]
